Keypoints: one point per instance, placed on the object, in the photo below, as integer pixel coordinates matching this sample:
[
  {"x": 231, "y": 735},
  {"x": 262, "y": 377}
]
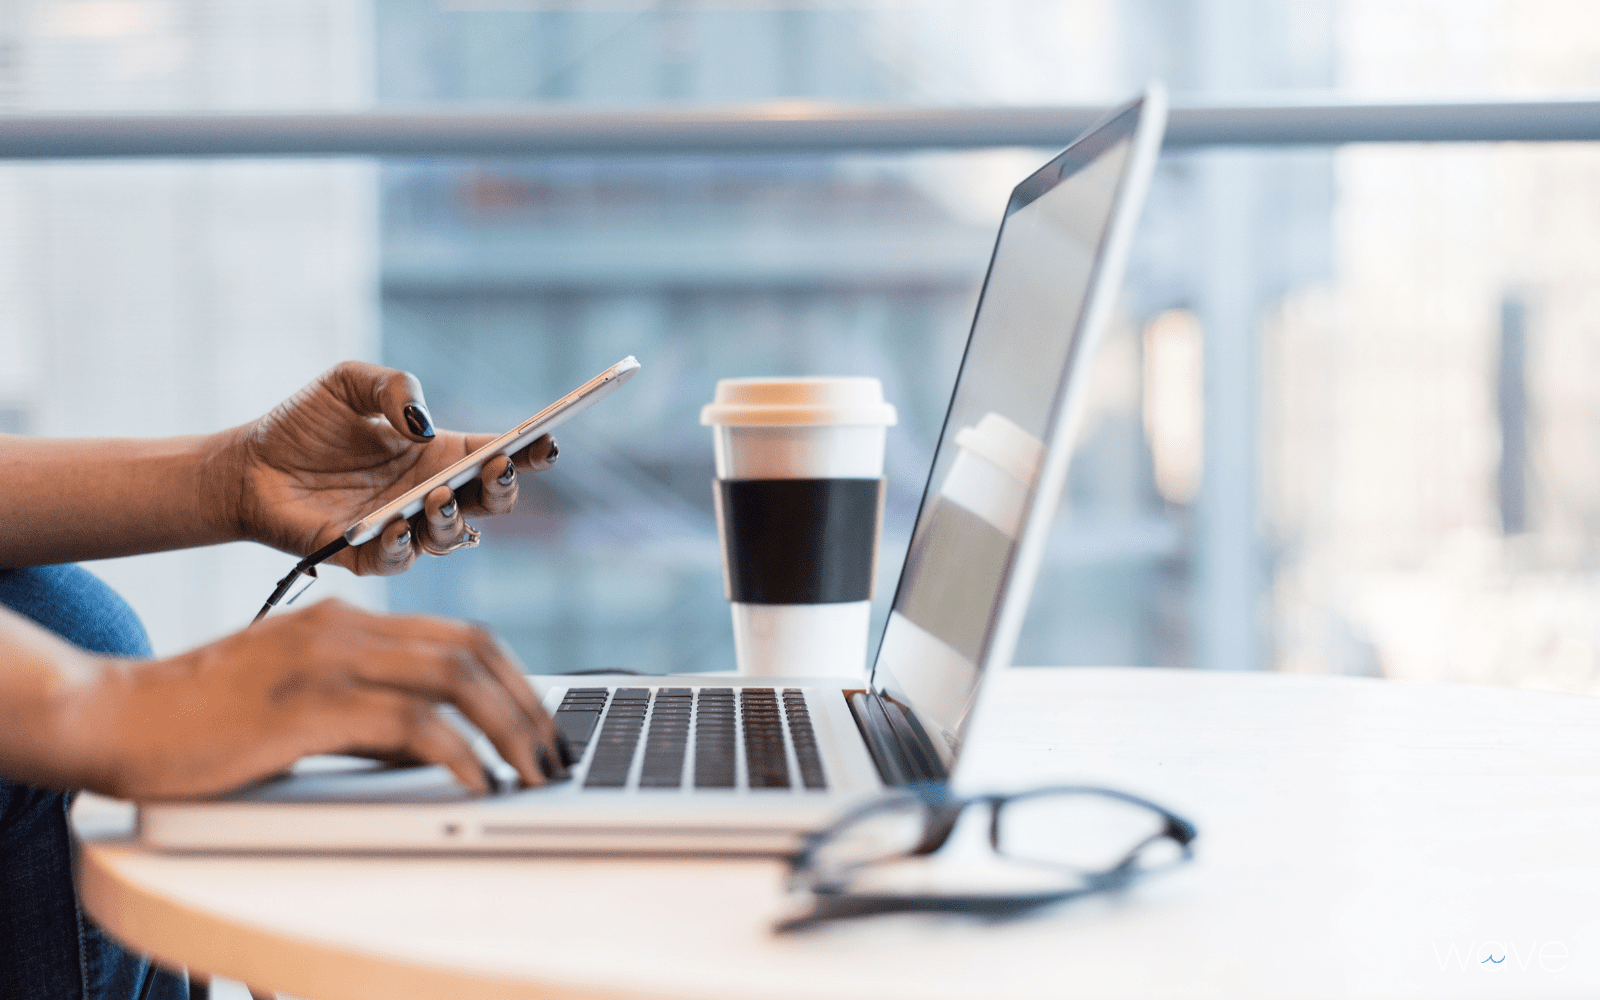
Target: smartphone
[{"x": 464, "y": 471}]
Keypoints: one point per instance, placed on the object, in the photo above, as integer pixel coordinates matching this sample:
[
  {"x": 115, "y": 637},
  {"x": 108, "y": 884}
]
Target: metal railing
[{"x": 776, "y": 128}]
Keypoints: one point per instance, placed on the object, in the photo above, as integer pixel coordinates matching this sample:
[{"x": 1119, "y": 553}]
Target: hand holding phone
[
  {"x": 461, "y": 472},
  {"x": 466, "y": 470}
]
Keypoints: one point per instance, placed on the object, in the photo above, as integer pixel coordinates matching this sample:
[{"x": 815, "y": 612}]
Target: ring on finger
[{"x": 467, "y": 540}]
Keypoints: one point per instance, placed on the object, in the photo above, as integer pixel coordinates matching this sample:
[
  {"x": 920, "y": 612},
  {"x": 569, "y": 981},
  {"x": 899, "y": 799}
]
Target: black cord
[
  {"x": 603, "y": 671},
  {"x": 306, "y": 566},
  {"x": 149, "y": 979}
]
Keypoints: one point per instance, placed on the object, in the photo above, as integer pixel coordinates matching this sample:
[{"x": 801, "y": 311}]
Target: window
[{"x": 1344, "y": 424}]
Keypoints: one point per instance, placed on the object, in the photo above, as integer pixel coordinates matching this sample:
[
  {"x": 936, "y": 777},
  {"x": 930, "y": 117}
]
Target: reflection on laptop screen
[{"x": 1024, "y": 339}]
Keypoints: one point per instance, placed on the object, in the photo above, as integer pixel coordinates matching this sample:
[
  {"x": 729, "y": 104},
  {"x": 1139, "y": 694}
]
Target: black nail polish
[
  {"x": 555, "y": 452},
  {"x": 565, "y": 748},
  {"x": 543, "y": 756},
  {"x": 418, "y": 420},
  {"x": 507, "y": 476},
  {"x": 449, "y": 509}
]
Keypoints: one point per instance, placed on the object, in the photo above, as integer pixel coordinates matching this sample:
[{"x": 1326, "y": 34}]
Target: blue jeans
[{"x": 49, "y": 948}]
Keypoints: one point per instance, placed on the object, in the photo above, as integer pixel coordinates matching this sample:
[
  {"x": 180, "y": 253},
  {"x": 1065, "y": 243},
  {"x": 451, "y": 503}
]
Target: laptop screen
[{"x": 1024, "y": 341}]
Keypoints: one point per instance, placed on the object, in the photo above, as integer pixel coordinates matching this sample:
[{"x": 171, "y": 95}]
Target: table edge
[{"x": 217, "y": 945}]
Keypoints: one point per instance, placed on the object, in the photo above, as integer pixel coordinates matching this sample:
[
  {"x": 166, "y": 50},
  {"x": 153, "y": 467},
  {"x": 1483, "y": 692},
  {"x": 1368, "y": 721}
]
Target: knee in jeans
[{"x": 76, "y": 605}]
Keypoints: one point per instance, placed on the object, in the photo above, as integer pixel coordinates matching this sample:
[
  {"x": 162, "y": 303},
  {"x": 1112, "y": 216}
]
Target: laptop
[{"x": 715, "y": 764}]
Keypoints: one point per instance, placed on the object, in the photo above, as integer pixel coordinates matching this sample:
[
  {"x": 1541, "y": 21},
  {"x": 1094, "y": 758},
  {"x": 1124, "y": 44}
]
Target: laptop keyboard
[{"x": 710, "y": 720}]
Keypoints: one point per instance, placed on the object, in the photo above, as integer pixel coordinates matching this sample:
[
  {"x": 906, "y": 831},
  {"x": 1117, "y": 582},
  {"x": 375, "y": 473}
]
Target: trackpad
[{"x": 355, "y": 779}]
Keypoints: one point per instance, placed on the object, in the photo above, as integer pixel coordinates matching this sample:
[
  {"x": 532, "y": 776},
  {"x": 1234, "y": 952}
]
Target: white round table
[{"x": 1357, "y": 837}]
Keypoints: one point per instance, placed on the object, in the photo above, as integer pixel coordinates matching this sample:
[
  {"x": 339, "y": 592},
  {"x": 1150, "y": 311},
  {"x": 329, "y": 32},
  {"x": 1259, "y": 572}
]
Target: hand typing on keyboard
[{"x": 500, "y": 776}]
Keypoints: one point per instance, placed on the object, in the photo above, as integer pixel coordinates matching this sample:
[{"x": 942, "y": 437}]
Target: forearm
[
  {"x": 41, "y": 678},
  {"x": 66, "y": 500}
]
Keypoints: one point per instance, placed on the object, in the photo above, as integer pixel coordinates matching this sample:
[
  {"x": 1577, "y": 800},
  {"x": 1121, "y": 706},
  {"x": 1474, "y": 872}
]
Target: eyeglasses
[{"x": 1044, "y": 846}]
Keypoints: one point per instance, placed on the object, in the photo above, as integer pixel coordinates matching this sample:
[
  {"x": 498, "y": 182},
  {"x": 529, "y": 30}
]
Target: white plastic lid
[
  {"x": 779, "y": 402},
  {"x": 1008, "y": 446}
]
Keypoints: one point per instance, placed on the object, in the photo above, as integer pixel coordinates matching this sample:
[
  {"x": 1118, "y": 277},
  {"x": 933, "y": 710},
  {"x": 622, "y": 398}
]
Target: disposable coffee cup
[{"x": 799, "y": 499}]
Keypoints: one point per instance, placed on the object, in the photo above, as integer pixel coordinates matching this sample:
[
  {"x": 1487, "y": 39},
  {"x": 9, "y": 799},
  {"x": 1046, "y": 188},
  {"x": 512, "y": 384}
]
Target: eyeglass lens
[
  {"x": 1070, "y": 833},
  {"x": 890, "y": 830},
  {"x": 1085, "y": 832}
]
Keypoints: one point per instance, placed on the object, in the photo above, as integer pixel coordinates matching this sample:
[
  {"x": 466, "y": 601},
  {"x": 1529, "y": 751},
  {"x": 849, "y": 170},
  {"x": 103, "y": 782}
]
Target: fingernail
[
  {"x": 403, "y": 540},
  {"x": 555, "y": 452},
  {"x": 449, "y": 509},
  {"x": 489, "y": 780},
  {"x": 562, "y": 745},
  {"x": 543, "y": 757},
  {"x": 418, "y": 420},
  {"x": 507, "y": 476}
]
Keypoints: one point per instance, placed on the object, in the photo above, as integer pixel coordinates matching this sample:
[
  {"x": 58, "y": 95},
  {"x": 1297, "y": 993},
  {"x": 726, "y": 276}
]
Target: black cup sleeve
[{"x": 799, "y": 541}]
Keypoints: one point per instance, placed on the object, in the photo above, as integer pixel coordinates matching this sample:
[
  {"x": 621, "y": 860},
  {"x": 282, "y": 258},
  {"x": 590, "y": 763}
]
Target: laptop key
[
  {"x": 577, "y": 727},
  {"x": 766, "y": 763},
  {"x": 578, "y": 714}
]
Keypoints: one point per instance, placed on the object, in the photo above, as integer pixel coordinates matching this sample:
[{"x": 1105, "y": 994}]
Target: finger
[
  {"x": 538, "y": 456},
  {"x": 454, "y": 672},
  {"x": 509, "y": 672},
  {"x": 443, "y": 526},
  {"x": 497, "y": 486},
  {"x": 488, "y": 494},
  {"x": 371, "y": 390},
  {"x": 393, "y": 724},
  {"x": 391, "y": 552},
  {"x": 431, "y": 739},
  {"x": 494, "y": 656}
]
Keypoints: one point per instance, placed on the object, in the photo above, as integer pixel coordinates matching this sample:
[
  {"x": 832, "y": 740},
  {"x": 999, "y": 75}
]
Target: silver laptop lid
[{"x": 1002, "y": 456}]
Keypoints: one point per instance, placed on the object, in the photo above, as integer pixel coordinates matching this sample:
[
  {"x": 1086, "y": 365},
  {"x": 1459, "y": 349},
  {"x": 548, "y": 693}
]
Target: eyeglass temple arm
[
  {"x": 306, "y": 565},
  {"x": 1179, "y": 831}
]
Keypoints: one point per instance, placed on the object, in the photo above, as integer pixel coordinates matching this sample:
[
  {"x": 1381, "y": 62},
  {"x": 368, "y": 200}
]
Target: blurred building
[
  {"x": 1434, "y": 411},
  {"x": 157, "y": 297},
  {"x": 1346, "y": 422}
]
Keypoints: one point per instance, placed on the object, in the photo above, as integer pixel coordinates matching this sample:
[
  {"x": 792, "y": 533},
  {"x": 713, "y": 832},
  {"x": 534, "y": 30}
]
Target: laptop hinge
[{"x": 898, "y": 745}]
